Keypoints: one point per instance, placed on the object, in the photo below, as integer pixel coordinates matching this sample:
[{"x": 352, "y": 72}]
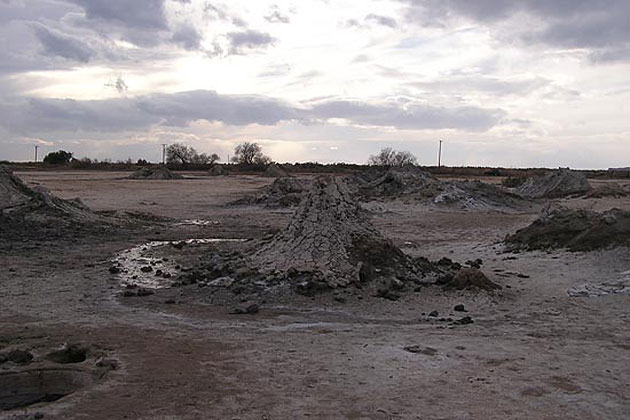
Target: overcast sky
[{"x": 502, "y": 82}]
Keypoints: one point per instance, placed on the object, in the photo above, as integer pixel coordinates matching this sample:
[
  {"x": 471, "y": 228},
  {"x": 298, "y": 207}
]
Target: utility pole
[
  {"x": 163, "y": 153},
  {"x": 440, "y": 154},
  {"x": 36, "y": 147}
]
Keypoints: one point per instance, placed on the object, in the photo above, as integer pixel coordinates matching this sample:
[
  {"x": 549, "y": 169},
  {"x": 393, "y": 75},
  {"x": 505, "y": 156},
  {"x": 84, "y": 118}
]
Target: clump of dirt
[
  {"x": 470, "y": 278},
  {"x": 73, "y": 353},
  {"x": 283, "y": 192},
  {"x": 577, "y": 230},
  {"x": 608, "y": 190},
  {"x": 275, "y": 171},
  {"x": 555, "y": 184},
  {"x": 412, "y": 182},
  {"x": 218, "y": 170},
  {"x": 160, "y": 172}
]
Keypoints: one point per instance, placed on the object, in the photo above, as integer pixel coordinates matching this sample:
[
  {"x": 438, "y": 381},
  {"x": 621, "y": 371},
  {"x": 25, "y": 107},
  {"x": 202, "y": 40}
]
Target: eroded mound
[
  {"x": 283, "y": 192},
  {"x": 555, "y": 184},
  {"x": 414, "y": 183},
  {"x": 218, "y": 170},
  {"x": 275, "y": 171},
  {"x": 22, "y": 207},
  {"x": 154, "y": 173},
  {"x": 577, "y": 230},
  {"x": 470, "y": 278},
  {"x": 608, "y": 190}
]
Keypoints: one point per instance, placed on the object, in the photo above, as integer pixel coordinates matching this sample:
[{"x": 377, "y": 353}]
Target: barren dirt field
[{"x": 532, "y": 351}]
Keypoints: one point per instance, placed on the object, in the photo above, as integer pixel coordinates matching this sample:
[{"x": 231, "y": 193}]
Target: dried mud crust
[{"x": 577, "y": 230}]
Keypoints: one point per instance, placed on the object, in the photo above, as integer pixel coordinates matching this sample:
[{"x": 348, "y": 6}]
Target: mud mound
[
  {"x": 22, "y": 204},
  {"x": 608, "y": 190},
  {"x": 332, "y": 241},
  {"x": 283, "y": 192},
  {"x": 577, "y": 230},
  {"x": 154, "y": 173},
  {"x": 218, "y": 170},
  {"x": 471, "y": 279},
  {"x": 477, "y": 195},
  {"x": 555, "y": 184},
  {"x": 275, "y": 171},
  {"x": 412, "y": 182}
]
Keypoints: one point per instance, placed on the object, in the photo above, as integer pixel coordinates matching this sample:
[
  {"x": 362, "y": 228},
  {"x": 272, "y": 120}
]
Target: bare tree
[
  {"x": 250, "y": 154},
  {"x": 390, "y": 157},
  {"x": 181, "y": 154}
]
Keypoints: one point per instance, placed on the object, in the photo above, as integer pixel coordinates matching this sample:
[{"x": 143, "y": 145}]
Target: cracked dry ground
[{"x": 532, "y": 352}]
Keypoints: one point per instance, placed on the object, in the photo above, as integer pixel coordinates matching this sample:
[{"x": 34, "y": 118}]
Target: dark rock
[
  {"x": 114, "y": 270},
  {"x": 169, "y": 301},
  {"x": 145, "y": 292},
  {"x": 464, "y": 321},
  {"x": 249, "y": 308},
  {"x": 20, "y": 357},
  {"x": 471, "y": 279},
  {"x": 460, "y": 308},
  {"x": 110, "y": 364},
  {"x": 340, "y": 299},
  {"x": 128, "y": 293},
  {"x": 146, "y": 269},
  {"x": 434, "y": 314}
]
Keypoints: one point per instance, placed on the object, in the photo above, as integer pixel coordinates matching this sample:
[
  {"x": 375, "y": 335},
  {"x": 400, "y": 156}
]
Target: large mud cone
[
  {"x": 394, "y": 182},
  {"x": 20, "y": 203},
  {"x": 283, "y": 192},
  {"x": 555, "y": 184},
  {"x": 331, "y": 236},
  {"x": 218, "y": 170},
  {"x": 577, "y": 230},
  {"x": 154, "y": 173}
]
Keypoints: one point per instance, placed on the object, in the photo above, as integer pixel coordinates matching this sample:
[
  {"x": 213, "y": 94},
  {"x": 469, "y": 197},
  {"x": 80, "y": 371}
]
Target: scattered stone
[
  {"x": 475, "y": 263},
  {"x": 434, "y": 314},
  {"x": 460, "y": 308},
  {"x": 146, "y": 268}
]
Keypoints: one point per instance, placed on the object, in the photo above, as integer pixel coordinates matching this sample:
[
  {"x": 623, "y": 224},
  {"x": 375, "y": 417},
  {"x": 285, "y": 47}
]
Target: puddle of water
[{"x": 139, "y": 268}]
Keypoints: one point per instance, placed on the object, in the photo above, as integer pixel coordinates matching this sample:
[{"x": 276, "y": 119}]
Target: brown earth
[{"x": 531, "y": 352}]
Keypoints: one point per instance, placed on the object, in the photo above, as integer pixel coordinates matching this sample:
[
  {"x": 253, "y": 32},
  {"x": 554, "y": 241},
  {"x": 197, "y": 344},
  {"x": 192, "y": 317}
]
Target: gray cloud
[
  {"x": 601, "y": 26},
  {"x": 36, "y": 116},
  {"x": 486, "y": 84},
  {"x": 382, "y": 20},
  {"x": 144, "y": 14},
  {"x": 58, "y": 44},
  {"x": 276, "y": 16},
  {"x": 187, "y": 37},
  {"x": 243, "y": 41}
]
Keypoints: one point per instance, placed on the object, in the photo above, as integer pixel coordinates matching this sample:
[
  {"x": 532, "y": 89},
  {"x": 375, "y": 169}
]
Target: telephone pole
[
  {"x": 163, "y": 153},
  {"x": 36, "y": 147},
  {"x": 440, "y": 154}
]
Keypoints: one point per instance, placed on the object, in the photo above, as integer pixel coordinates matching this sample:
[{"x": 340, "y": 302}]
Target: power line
[
  {"x": 36, "y": 147},
  {"x": 440, "y": 154}
]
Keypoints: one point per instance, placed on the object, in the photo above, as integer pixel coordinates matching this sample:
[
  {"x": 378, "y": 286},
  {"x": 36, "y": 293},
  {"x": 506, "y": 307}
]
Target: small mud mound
[
  {"x": 396, "y": 182},
  {"x": 608, "y": 190},
  {"x": 555, "y": 184},
  {"x": 284, "y": 192},
  {"x": 154, "y": 173},
  {"x": 275, "y": 171},
  {"x": 28, "y": 387},
  {"x": 331, "y": 241},
  {"x": 471, "y": 279},
  {"x": 218, "y": 170},
  {"x": 25, "y": 208},
  {"x": 577, "y": 230}
]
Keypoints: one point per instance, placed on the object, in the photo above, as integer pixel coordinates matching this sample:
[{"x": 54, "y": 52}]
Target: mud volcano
[
  {"x": 555, "y": 184},
  {"x": 331, "y": 243},
  {"x": 20, "y": 204},
  {"x": 283, "y": 192},
  {"x": 154, "y": 173},
  {"x": 275, "y": 171},
  {"x": 577, "y": 230}
]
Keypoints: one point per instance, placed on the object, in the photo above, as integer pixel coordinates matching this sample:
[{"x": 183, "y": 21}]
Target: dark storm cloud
[
  {"x": 58, "y": 44},
  {"x": 33, "y": 116},
  {"x": 601, "y": 26}
]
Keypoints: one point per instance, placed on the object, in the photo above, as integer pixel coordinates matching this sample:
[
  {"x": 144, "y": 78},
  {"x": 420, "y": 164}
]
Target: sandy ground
[{"x": 531, "y": 353}]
